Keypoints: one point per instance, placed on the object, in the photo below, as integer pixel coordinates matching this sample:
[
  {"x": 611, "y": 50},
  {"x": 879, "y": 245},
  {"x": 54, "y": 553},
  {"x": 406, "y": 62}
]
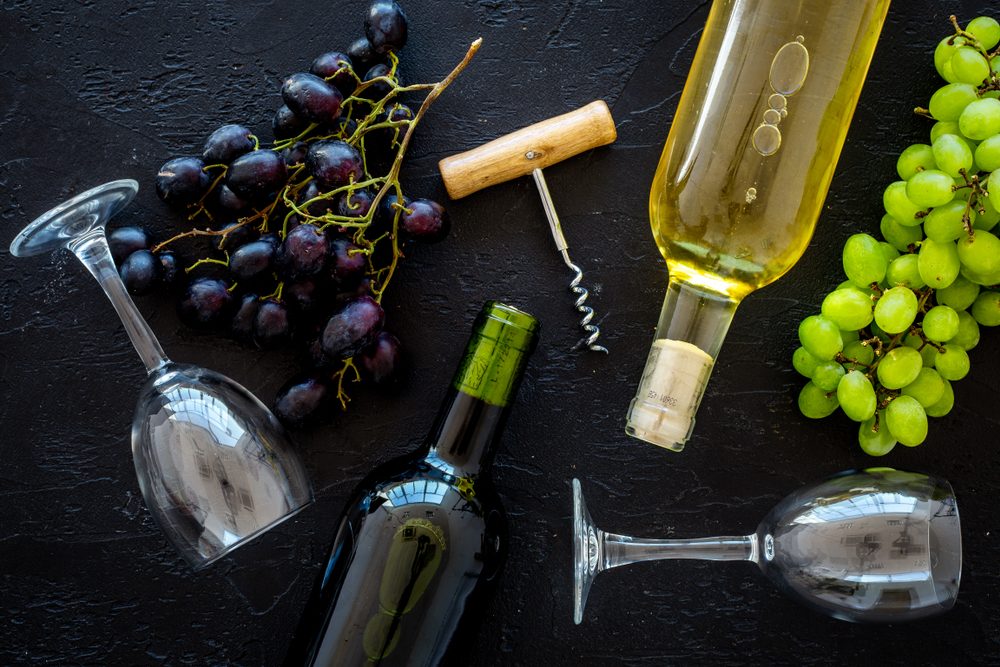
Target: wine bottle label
[{"x": 669, "y": 393}]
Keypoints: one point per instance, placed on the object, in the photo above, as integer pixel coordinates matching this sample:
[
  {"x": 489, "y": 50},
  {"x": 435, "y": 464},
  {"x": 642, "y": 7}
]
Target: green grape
[
  {"x": 815, "y": 403},
  {"x": 959, "y": 295},
  {"x": 914, "y": 158},
  {"x": 821, "y": 337},
  {"x": 864, "y": 262},
  {"x": 907, "y": 421},
  {"x": 980, "y": 252},
  {"x": 938, "y": 263},
  {"x": 875, "y": 443},
  {"x": 969, "y": 66},
  {"x": 930, "y": 188},
  {"x": 949, "y": 101},
  {"x": 900, "y": 236},
  {"x": 995, "y": 63},
  {"x": 940, "y": 323},
  {"x": 986, "y": 309},
  {"x": 861, "y": 354},
  {"x": 990, "y": 215},
  {"x": 943, "y": 127},
  {"x": 986, "y": 30},
  {"x": 927, "y": 388},
  {"x": 983, "y": 279},
  {"x": 896, "y": 310},
  {"x": 849, "y": 308},
  {"x": 968, "y": 332},
  {"x": 942, "y": 56},
  {"x": 927, "y": 352},
  {"x": 952, "y": 155},
  {"x": 856, "y": 396},
  {"x": 952, "y": 362},
  {"x": 827, "y": 375},
  {"x": 899, "y": 367},
  {"x": 899, "y": 206},
  {"x": 888, "y": 251},
  {"x": 804, "y": 362},
  {"x": 980, "y": 119},
  {"x": 849, "y": 336},
  {"x": 944, "y": 224},
  {"x": 903, "y": 271},
  {"x": 988, "y": 153},
  {"x": 944, "y": 404}
]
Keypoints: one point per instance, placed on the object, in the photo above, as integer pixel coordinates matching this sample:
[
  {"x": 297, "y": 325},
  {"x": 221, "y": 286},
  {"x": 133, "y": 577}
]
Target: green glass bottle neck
[{"x": 473, "y": 415}]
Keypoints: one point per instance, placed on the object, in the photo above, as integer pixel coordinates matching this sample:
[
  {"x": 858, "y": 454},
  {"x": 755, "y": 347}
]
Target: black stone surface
[{"x": 93, "y": 91}]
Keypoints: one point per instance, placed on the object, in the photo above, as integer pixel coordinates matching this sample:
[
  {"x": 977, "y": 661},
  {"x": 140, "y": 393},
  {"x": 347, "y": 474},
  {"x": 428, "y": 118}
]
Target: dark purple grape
[
  {"x": 385, "y": 26},
  {"x": 239, "y": 234},
  {"x": 271, "y": 238},
  {"x": 381, "y": 359},
  {"x": 355, "y": 204},
  {"x": 241, "y": 326},
  {"x": 352, "y": 327},
  {"x": 336, "y": 69},
  {"x": 182, "y": 181},
  {"x": 124, "y": 241},
  {"x": 348, "y": 292},
  {"x": 303, "y": 252},
  {"x": 302, "y": 400},
  {"x": 295, "y": 154},
  {"x": 286, "y": 124},
  {"x": 171, "y": 269},
  {"x": 426, "y": 221},
  {"x": 140, "y": 272},
  {"x": 227, "y": 199},
  {"x": 334, "y": 163},
  {"x": 362, "y": 55},
  {"x": 227, "y": 143},
  {"x": 387, "y": 208},
  {"x": 304, "y": 295},
  {"x": 256, "y": 175},
  {"x": 271, "y": 326},
  {"x": 311, "y": 98},
  {"x": 380, "y": 89},
  {"x": 343, "y": 128},
  {"x": 206, "y": 303},
  {"x": 317, "y": 208},
  {"x": 348, "y": 266},
  {"x": 252, "y": 260}
]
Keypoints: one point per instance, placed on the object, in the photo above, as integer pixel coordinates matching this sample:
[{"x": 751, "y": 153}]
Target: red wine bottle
[{"x": 424, "y": 536}]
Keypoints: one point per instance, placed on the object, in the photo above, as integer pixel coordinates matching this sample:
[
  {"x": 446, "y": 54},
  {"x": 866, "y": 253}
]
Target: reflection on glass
[
  {"x": 214, "y": 465},
  {"x": 879, "y": 545}
]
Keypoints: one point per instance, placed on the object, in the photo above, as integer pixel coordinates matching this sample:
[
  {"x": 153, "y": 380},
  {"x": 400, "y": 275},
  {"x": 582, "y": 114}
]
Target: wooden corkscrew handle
[{"x": 534, "y": 147}]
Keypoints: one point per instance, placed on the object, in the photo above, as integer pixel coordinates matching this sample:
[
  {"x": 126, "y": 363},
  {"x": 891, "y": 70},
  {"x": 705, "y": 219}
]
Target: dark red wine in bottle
[{"x": 424, "y": 536}]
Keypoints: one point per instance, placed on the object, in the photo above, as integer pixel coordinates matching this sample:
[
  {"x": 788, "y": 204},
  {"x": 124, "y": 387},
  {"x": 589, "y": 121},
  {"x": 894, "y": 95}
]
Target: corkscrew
[{"x": 529, "y": 150}]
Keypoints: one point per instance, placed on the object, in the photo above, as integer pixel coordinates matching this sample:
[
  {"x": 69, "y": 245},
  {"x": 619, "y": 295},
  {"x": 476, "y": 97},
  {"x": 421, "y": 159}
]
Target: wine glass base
[
  {"x": 586, "y": 552},
  {"x": 56, "y": 228}
]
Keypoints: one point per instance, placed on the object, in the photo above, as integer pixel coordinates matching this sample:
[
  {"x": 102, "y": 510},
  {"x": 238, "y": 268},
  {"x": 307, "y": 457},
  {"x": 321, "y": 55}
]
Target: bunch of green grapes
[{"x": 892, "y": 338}]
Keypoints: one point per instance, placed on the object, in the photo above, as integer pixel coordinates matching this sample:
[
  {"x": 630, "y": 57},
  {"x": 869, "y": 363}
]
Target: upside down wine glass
[
  {"x": 876, "y": 546},
  {"x": 214, "y": 464}
]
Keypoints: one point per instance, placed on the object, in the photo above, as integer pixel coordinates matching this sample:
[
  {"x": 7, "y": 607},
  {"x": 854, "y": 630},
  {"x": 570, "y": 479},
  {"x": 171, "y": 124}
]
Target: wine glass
[
  {"x": 879, "y": 545},
  {"x": 215, "y": 467}
]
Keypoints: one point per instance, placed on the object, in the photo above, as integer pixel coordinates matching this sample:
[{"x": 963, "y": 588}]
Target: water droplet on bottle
[
  {"x": 777, "y": 101},
  {"x": 751, "y": 195},
  {"x": 772, "y": 117},
  {"x": 766, "y": 139}
]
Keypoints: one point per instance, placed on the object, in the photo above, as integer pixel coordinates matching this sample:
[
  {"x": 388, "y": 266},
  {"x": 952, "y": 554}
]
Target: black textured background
[{"x": 92, "y": 91}]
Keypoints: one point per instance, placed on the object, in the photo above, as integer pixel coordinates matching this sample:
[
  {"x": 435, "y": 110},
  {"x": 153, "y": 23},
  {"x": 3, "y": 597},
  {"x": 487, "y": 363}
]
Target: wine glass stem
[
  {"x": 92, "y": 250},
  {"x": 623, "y": 550}
]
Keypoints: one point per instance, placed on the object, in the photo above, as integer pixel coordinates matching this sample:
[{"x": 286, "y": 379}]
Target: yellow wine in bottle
[{"x": 743, "y": 176}]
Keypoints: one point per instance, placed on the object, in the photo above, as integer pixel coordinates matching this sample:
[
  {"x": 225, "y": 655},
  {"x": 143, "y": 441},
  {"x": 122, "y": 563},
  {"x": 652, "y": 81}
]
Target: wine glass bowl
[
  {"x": 877, "y": 546},
  {"x": 215, "y": 467}
]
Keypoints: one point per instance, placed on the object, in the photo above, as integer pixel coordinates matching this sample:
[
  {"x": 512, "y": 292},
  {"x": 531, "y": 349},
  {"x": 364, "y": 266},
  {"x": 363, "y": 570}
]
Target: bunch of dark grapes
[
  {"x": 302, "y": 238},
  {"x": 891, "y": 339}
]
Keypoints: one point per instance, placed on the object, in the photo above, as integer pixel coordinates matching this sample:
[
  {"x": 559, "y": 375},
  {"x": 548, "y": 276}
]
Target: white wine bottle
[{"x": 742, "y": 178}]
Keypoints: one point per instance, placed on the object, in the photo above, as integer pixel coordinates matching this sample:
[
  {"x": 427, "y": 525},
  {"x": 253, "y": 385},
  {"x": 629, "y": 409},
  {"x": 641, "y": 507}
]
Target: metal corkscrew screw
[{"x": 529, "y": 150}]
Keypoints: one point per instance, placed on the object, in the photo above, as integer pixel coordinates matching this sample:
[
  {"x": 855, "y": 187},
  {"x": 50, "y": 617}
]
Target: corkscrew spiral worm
[{"x": 593, "y": 332}]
